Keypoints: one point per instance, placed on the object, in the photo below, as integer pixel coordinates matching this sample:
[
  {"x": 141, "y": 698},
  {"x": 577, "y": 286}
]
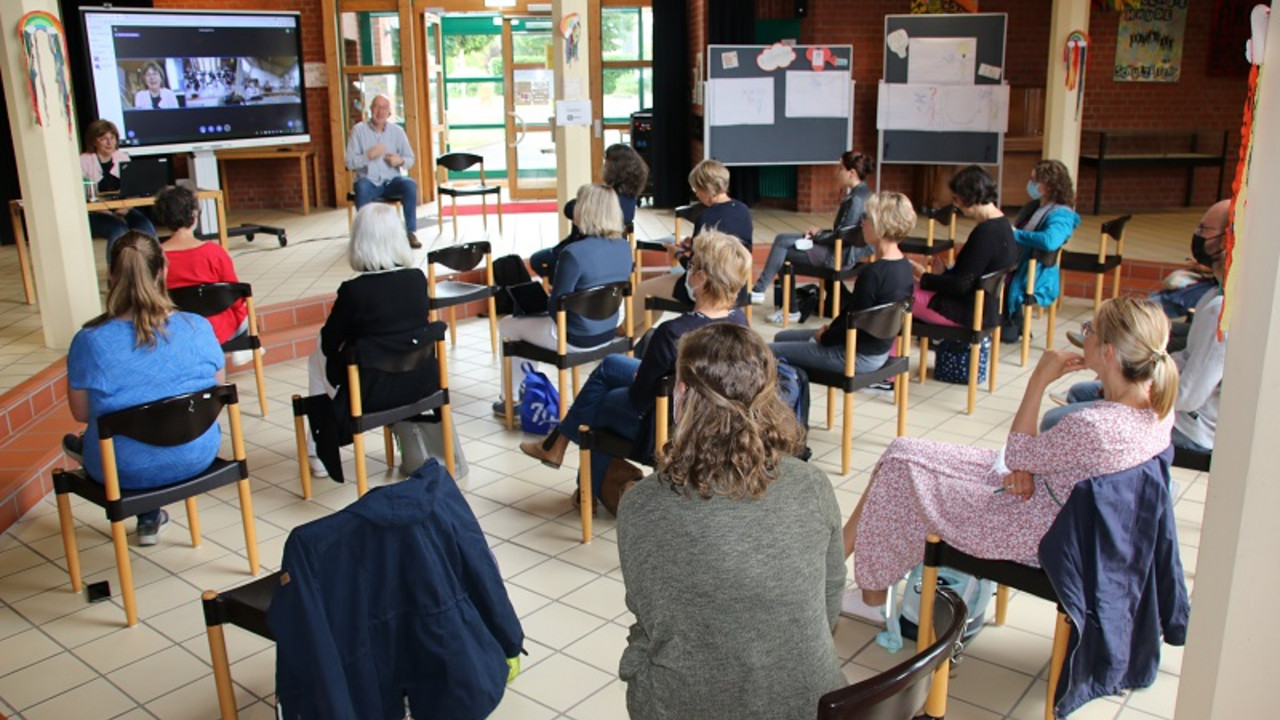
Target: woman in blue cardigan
[{"x": 1043, "y": 226}]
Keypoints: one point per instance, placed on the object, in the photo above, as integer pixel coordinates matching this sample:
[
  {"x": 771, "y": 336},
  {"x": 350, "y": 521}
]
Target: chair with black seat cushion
[
  {"x": 245, "y": 606},
  {"x": 1100, "y": 263},
  {"x": 686, "y": 213},
  {"x": 930, "y": 244},
  {"x": 597, "y": 303},
  {"x": 169, "y": 422},
  {"x": 212, "y": 298},
  {"x": 665, "y": 304},
  {"x": 899, "y": 692},
  {"x": 1038, "y": 259},
  {"x": 373, "y": 354},
  {"x": 452, "y": 293},
  {"x": 883, "y": 321},
  {"x": 617, "y": 446},
  {"x": 1192, "y": 459},
  {"x": 830, "y": 277},
  {"x": 989, "y": 285},
  {"x": 458, "y": 162},
  {"x": 351, "y": 202}
]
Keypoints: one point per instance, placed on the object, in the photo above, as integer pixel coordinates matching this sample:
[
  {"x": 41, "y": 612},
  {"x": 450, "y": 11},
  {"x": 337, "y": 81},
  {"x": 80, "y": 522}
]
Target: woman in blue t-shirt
[{"x": 138, "y": 351}]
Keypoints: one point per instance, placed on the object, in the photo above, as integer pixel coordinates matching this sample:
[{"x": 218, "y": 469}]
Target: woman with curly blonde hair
[{"x": 731, "y": 552}]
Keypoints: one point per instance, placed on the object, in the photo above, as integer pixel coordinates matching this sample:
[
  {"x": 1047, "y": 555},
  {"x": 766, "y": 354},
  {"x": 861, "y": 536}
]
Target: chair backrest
[
  {"x": 690, "y": 212},
  {"x": 993, "y": 282},
  {"x": 458, "y": 161},
  {"x": 211, "y": 298},
  {"x": 595, "y": 303},
  {"x": 900, "y": 692},
  {"x": 882, "y": 321},
  {"x": 1113, "y": 229},
  {"x": 852, "y": 237},
  {"x": 461, "y": 257},
  {"x": 399, "y": 353},
  {"x": 175, "y": 420}
]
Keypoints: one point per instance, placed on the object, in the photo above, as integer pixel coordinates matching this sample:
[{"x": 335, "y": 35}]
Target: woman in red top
[{"x": 195, "y": 262}]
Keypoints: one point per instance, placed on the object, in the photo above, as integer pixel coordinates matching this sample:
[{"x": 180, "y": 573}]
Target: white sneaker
[
  {"x": 240, "y": 357},
  {"x": 317, "y": 467},
  {"x": 852, "y": 606},
  {"x": 776, "y": 318},
  {"x": 757, "y": 298}
]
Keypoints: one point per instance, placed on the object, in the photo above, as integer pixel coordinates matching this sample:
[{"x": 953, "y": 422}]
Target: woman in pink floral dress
[{"x": 998, "y": 507}]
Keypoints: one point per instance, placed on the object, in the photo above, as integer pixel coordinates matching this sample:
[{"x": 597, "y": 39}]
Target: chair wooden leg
[
  {"x": 493, "y": 326},
  {"x": 1002, "y": 603},
  {"x": 446, "y": 435},
  {"x": 453, "y": 326},
  {"x": 1026, "y": 334},
  {"x": 1097, "y": 293},
  {"x": 577, "y": 383},
  {"x": 975, "y": 354},
  {"x": 454, "y": 205},
  {"x": 994, "y": 367},
  {"x": 260, "y": 379},
  {"x": 193, "y": 521},
  {"x": 388, "y": 446},
  {"x": 506, "y": 392},
  {"x": 362, "y": 472},
  {"x": 1053, "y": 322},
  {"x": 564, "y": 395},
  {"x": 304, "y": 466},
  {"x": 786, "y": 300},
  {"x": 125, "y": 569},
  {"x": 1115, "y": 283},
  {"x": 831, "y": 408},
  {"x": 936, "y": 705},
  {"x": 904, "y": 381},
  {"x": 585, "y": 499},
  {"x": 69, "y": 540},
  {"x": 221, "y": 667},
  {"x": 499, "y": 213},
  {"x": 350, "y": 216},
  {"x": 750, "y": 319},
  {"x": 250, "y": 529},
  {"x": 1061, "y": 637},
  {"x": 484, "y": 212},
  {"x": 924, "y": 358},
  {"x": 846, "y": 438}
]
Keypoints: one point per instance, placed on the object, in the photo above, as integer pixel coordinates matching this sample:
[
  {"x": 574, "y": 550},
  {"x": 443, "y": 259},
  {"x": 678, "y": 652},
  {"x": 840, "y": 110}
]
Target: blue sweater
[
  {"x": 587, "y": 263},
  {"x": 1052, "y": 233}
]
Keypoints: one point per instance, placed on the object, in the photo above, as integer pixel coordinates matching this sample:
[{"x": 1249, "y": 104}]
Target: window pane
[
  {"x": 646, "y": 33},
  {"x": 473, "y": 56},
  {"x": 621, "y": 33},
  {"x": 489, "y": 144},
  {"x": 370, "y": 38},
  {"x": 626, "y": 90},
  {"x": 529, "y": 40},
  {"x": 362, "y": 89},
  {"x": 475, "y": 103}
]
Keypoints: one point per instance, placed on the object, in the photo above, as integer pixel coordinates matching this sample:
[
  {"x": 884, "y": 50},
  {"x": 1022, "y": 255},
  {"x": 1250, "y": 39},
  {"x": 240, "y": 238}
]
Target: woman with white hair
[{"x": 387, "y": 298}]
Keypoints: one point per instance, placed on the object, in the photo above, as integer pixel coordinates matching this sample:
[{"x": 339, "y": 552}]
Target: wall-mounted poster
[{"x": 1149, "y": 41}]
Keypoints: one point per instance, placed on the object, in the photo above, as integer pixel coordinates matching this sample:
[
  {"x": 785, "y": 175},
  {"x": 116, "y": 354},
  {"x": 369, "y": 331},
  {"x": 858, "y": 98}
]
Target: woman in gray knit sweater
[{"x": 731, "y": 553}]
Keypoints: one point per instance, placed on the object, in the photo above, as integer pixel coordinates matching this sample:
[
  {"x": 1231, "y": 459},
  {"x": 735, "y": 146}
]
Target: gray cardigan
[{"x": 734, "y": 599}]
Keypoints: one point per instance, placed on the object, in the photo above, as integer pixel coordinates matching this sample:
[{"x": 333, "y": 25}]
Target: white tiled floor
[{"x": 59, "y": 653}]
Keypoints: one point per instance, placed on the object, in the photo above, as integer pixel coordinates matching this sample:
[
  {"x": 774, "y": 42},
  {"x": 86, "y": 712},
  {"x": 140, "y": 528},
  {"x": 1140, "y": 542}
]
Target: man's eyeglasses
[{"x": 1209, "y": 232}]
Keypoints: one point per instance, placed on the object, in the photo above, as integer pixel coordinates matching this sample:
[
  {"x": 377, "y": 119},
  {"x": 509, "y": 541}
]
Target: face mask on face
[
  {"x": 1200, "y": 252},
  {"x": 1033, "y": 189}
]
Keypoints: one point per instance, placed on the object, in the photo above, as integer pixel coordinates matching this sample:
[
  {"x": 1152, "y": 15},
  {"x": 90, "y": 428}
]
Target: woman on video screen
[{"x": 155, "y": 95}]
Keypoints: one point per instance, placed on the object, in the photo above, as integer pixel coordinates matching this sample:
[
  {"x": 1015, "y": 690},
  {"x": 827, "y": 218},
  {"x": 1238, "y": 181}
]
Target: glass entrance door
[{"x": 530, "y": 105}]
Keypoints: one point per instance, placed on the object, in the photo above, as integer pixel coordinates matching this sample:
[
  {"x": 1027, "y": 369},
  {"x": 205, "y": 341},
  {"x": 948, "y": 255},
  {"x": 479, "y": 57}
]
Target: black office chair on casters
[
  {"x": 452, "y": 293},
  {"x": 899, "y": 692},
  {"x": 212, "y": 298},
  {"x": 458, "y": 162}
]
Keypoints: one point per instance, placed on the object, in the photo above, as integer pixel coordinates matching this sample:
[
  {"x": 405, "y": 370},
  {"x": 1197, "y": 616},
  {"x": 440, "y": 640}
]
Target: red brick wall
[
  {"x": 276, "y": 183},
  {"x": 1197, "y": 101}
]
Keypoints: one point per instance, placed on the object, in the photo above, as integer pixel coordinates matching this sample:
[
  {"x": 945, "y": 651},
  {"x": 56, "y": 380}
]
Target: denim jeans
[
  {"x": 783, "y": 250},
  {"x": 400, "y": 188},
  {"x": 1081, "y": 395},
  {"x": 799, "y": 348},
  {"x": 111, "y": 226},
  {"x": 604, "y": 403}
]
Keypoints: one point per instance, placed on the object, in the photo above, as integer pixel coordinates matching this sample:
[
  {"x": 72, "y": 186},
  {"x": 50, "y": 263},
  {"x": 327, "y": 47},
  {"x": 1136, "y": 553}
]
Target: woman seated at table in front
[
  {"x": 889, "y": 218},
  {"x": 387, "y": 299},
  {"x": 997, "y": 504},
  {"x": 624, "y": 171},
  {"x": 193, "y": 261},
  {"x": 709, "y": 180},
  {"x": 815, "y": 246},
  {"x": 100, "y": 164},
  {"x": 138, "y": 351},
  {"x": 946, "y": 298},
  {"x": 620, "y": 393},
  {"x": 731, "y": 552},
  {"x": 1043, "y": 225}
]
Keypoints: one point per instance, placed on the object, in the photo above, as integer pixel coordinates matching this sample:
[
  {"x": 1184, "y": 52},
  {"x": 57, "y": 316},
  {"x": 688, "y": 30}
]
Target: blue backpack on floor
[
  {"x": 539, "y": 402},
  {"x": 904, "y": 620},
  {"x": 793, "y": 386}
]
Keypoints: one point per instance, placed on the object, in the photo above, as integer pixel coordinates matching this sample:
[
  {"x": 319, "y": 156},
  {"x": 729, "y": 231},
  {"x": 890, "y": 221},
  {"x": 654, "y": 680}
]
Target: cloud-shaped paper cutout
[{"x": 775, "y": 56}]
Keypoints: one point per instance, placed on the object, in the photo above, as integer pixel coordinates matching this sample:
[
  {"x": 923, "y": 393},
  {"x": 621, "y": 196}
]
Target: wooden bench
[{"x": 1151, "y": 148}]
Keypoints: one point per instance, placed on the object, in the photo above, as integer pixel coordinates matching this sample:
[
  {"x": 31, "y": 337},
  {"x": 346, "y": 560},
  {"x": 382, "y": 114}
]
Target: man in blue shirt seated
[{"x": 377, "y": 152}]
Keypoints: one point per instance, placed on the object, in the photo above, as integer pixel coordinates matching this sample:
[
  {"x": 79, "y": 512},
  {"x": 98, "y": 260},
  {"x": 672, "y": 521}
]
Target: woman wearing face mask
[
  {"x": 1043, "y": 226},
  {"x": 619, "y": 395}
]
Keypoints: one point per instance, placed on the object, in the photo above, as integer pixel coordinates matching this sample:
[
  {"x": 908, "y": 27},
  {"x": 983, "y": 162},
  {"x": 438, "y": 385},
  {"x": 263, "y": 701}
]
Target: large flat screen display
[{"x": 181, "y": 81}]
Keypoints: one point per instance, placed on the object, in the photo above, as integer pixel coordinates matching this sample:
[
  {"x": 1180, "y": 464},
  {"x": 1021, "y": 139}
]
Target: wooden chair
[
  {"x": 209, "y": 300},
  {"x": 883, "y": 321},
  {"x": 899, "y": 692},
  {"x": 351, "y": 202},
  {"x": 1038, "y": 259},
  {"x": 458, "y": 162},
  {"x": 1192, "y": 460},
  {"x": 172, "y": 421},
  {"x": 671, "y": 305},
  {"x": 430, "y": 348},
  {"x": 931, "y": 244},
  {"x": 990, "y": 284},
  {"x": 452, "y": 293},
  {"x": 245, "y": 606},
  {"x": 1100, "y": 263},
  {"x": 830, "y": 276},
  {"x": 596, "y": 303},
  {"x": 617, "y": 446},
  {"x": 687, "y": 213}
]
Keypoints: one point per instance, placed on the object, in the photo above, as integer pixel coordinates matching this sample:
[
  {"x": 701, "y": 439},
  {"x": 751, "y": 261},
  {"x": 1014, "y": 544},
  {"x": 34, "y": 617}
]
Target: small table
[
  {"x": 16, "y": 209},
  {"x": 300, "y": 153}
]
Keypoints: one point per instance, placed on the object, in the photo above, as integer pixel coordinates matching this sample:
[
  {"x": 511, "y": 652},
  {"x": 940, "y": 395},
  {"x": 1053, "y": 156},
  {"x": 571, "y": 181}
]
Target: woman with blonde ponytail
[
  {"x": 998, "y": 504},
  {"x": 138, "y": 351},
  {"x": 731, "y": 553}
]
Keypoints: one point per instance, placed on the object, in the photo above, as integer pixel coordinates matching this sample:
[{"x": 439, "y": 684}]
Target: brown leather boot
[{"x": 413, "y": 242}]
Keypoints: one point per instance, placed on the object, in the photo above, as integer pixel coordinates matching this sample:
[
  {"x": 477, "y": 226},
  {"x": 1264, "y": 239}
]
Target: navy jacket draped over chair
[
  {"x": 1112, "y": 556},
  {"x": 396, "y": 596}
]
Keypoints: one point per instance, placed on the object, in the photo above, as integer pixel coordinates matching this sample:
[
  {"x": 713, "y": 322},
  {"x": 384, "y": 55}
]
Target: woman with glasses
[{"x": 998, "y": 504}]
